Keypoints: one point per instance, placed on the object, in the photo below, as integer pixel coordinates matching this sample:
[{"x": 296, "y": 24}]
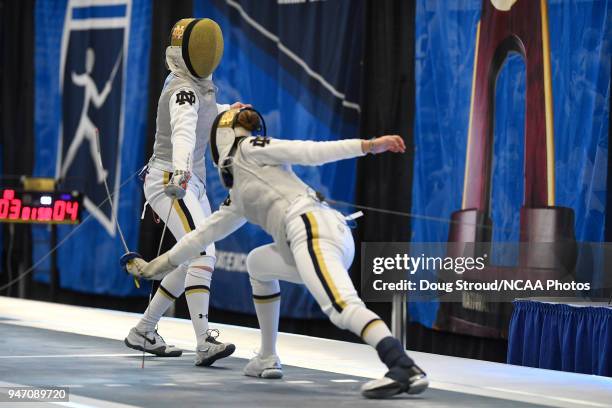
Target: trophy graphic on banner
[{"x": 546, "y": 230}]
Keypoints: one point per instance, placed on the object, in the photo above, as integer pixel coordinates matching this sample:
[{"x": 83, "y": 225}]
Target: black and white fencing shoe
[
  {"x": 151, "y": 342},
  {"x": 398, "y": 380},
  {"x": 213, "y": 350}
]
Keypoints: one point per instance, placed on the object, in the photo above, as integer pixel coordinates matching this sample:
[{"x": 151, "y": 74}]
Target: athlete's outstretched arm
[
  {"x": 220, "y": 224},
  {"x": 278, "y": 151}
]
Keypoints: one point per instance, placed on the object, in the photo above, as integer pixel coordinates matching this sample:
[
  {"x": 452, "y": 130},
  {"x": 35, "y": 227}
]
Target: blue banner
[
  {"x": 91, "y": 77},
  {"x": 580, "y": 48},
  {"x": 306, "y": 83}
]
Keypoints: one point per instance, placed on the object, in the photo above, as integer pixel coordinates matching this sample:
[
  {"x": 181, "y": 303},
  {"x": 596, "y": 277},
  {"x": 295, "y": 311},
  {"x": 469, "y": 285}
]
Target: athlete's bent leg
[
  {"x": 265, "y": 266},
  {"x": 323, "y": 249}
]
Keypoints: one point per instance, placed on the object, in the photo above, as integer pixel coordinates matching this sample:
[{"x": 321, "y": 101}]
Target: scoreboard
[{"x": 40, "y": 207}]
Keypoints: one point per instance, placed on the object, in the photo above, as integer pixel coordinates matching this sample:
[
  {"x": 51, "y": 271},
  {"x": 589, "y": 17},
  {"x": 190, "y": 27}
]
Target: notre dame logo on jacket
[{"x": 185, "y": 97}]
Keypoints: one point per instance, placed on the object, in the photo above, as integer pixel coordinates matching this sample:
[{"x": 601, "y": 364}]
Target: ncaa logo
[{"x": 92, "y": 76}]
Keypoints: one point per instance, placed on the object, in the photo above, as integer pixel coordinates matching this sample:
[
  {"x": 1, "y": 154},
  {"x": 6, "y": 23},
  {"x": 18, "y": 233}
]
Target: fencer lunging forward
[
  {"x": 312, "y": 243},
  {"x": 174, "y": 183}
]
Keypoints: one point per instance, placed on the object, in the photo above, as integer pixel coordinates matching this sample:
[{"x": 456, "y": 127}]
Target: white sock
[
  {"x": 197, "y": 293},
  {"x": 170, "y": 288},
  {"x": 266, "y": 298}
]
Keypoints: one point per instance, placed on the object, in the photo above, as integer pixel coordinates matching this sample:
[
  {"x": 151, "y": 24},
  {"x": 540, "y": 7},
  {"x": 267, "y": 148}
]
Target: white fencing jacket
[
  {"x": 265, "y": 187},
  {"x": 185, "y": 112}
]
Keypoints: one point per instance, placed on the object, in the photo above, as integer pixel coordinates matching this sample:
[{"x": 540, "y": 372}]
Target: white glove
[
  {"x": 136, "y": 266},
  {"x": 177, "y": 186},
  {"x": 156, "y": 269}
]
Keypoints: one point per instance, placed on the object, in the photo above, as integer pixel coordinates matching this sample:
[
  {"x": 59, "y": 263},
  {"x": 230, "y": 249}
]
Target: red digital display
[{"x": 39, "y": 207}]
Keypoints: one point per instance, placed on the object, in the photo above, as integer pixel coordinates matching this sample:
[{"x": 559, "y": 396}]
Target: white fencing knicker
[{"x": 193, "y": 277}]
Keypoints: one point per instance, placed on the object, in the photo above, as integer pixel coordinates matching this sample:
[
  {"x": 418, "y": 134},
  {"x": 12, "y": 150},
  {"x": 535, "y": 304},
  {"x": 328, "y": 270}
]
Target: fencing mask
[
  {"x": 201, "y": 43},
  {"x": 228, "y": 129}
]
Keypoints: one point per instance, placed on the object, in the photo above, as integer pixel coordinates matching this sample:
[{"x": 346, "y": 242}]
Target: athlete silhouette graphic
[{"x": 86, "y": 128}]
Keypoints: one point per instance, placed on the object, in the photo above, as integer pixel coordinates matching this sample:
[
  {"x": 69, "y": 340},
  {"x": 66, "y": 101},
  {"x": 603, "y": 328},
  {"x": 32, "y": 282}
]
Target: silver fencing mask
[{"x": 224, "y": 140}]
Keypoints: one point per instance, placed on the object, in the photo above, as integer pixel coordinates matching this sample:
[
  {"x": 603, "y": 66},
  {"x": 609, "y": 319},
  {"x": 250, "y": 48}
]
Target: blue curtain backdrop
[
  {"x": 67, "y": 35},
  {"x": 580, "y": 35},
  {"x": 575, "y": 338},
  {"x": 299, "y": 65}
]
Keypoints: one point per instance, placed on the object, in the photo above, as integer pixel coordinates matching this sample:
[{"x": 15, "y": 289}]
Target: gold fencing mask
[{"x": 201, "y": 42}]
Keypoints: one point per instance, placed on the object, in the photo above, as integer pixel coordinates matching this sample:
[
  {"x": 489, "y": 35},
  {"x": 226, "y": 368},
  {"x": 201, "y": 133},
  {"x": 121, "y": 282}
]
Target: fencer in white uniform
[
  {"x": 174, "y": 183},
  {"x": 312, "y": 242}
]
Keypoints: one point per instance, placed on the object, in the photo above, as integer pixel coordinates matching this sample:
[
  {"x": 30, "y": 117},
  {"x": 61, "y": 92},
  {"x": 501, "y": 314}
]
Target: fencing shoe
[
  {"x": 264, "y": 367},
  {"x": 411, "y": 380},
  {"x": 212, "y": 350},
  {"x": 151, "y": 342}
]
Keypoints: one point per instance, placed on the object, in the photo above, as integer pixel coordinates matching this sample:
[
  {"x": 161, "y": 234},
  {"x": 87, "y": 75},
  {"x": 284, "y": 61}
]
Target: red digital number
[
  {"x": 44, "y": 214},
  {"x": 59, "y": 210},
  {"x": 4, "y": 207},
  {"x": 10, "y": 207},
  {"x": 72, "y": 208},
  {"x": 25, "y": 213},
  {"x": 15, "y": 209},
  {"x": 5, "y": 202}
]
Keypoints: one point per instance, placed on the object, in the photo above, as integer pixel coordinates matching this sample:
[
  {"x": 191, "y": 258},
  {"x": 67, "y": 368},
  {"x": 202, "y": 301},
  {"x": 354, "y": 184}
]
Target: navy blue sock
[{"x": 391, "y": 352}]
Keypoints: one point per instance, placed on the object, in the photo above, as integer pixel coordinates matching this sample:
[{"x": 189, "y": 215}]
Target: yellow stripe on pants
[
  {"x": 327, "y": 279},
  {"x": 182, "y": 216}
]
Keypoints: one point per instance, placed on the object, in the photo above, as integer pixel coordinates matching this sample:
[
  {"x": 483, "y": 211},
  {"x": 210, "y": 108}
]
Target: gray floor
[{"x": 167, "y": 382}]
